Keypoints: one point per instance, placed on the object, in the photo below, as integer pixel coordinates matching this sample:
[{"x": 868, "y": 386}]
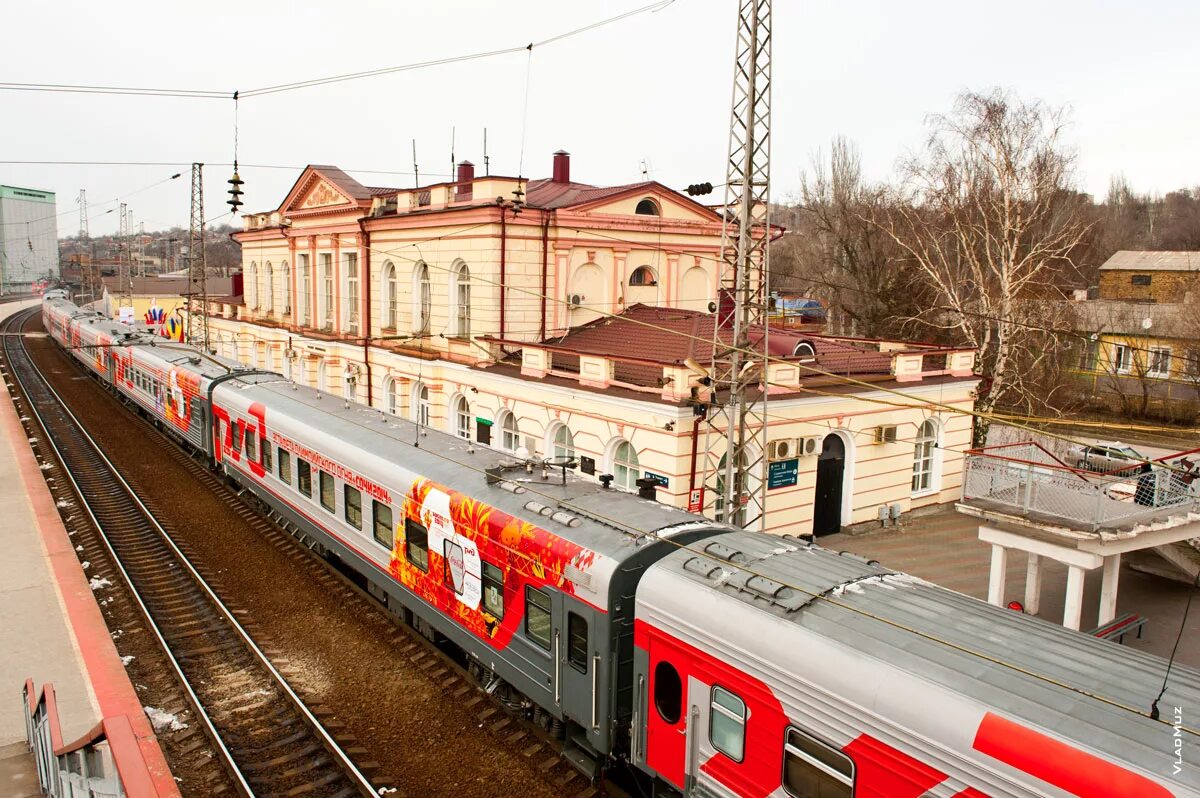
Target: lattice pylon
[
  {"x": 735, "y": 478},
  {"x": 197, "y": 314}
]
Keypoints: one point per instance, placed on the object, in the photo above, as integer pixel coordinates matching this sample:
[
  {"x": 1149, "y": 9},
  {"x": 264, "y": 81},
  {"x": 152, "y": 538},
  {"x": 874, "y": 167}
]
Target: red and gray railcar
[{"x": 718, "y": 662}]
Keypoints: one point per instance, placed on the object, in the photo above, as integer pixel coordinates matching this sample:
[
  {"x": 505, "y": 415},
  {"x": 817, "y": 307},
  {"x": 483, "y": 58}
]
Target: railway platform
[{"x": 56, "y": 653}]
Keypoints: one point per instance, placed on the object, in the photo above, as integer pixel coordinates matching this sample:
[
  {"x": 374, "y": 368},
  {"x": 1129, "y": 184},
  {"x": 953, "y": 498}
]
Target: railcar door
[
  {"x": 578, "y": 666},
  {"x": 667, "y": 713}
]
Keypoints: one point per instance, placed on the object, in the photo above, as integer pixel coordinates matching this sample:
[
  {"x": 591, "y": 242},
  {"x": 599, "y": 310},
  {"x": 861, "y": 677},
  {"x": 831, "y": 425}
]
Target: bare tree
[
  {"x": 839, "y": 255},
  {"x": 986, "y": 215}
]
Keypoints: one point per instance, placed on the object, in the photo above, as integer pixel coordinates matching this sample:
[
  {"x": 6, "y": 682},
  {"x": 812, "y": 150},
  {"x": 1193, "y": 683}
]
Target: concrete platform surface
[
  {"x": 36, "y": 638},
  {"x": 18, "y": 772},
  {"x": 52, "y": 629},
  {"x": 943, "y": 547}
]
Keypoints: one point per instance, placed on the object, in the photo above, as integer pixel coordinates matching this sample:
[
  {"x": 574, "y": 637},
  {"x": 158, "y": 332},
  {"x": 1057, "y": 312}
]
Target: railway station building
[{"x": 559, "y": 317}]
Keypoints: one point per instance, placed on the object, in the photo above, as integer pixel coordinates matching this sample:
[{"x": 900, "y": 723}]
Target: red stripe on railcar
[{"x": 1062, "y": 765}]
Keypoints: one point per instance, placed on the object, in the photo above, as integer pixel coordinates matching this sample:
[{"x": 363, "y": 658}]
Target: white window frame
[
  {"x": 1122, "y": 362},
  {"x": 350, "y": 270},
  {"x": 251, "y": 287},
  {"x": 322, "y": 376},
  {"x": 460, "y": 417},
  {"x": 269, "y": 273},
  {"x": 306, "y": 269},
  {"x": 1153, "y": 353},
  {"x": 420, "y": 404},
  {"x": 808, "y": 759},
  {"x": 508, "y": 436},
  {"x": 926, "y": 469},
  {"x": 391, "y": 311},
  {"x": 557, "y": 449},
  {"x": 461, "y": 297},
  {"x": 617, "y": 466},
  {"x": 391, "y": 396},
  {"x": 422, "y": 299},
  {"x": 287, "y": 287},
  {"x": 716, "y": 708},
  {"x": 325, "y": 294}
]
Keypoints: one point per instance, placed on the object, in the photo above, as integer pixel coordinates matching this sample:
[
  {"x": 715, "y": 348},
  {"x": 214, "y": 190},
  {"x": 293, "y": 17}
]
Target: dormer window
[
  {"x": 642, "y": 275},
  {"x": 647, "y": 207},
  {"x": 804, "y": 349}
]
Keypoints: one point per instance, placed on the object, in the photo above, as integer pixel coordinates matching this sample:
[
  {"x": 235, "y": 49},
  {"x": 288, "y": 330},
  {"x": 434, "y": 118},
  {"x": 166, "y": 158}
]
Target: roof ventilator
[
  {"x": 727, "y": 553},
  {"x": 705, "y": 568}
]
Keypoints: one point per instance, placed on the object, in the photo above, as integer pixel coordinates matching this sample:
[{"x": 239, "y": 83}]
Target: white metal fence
[{"x": 1027, "y": 480}]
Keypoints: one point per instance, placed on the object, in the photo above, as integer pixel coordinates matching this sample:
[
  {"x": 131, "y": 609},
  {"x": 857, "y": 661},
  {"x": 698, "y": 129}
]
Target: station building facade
[{"x": 556, "y": 317}]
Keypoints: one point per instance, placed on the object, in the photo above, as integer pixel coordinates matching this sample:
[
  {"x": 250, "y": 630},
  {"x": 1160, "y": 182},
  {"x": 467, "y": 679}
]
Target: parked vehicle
[{"x": 1107, "y": 457}]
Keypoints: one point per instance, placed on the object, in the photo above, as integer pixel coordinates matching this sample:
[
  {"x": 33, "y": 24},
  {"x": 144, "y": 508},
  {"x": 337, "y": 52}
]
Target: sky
[{"x": 648, "y": 93}]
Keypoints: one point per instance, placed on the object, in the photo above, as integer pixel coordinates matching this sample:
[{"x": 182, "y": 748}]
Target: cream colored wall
[{"x": 882, "y": 473}]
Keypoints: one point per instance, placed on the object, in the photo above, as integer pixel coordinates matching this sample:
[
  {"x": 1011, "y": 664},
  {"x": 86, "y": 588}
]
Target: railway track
[{"x": 270, "y": 742}]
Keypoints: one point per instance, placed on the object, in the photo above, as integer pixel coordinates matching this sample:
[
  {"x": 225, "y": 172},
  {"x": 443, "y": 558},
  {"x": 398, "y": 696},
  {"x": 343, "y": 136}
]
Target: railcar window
[
  {"x": 285, "y": 466},
  {"x": 416, "y": 544},
  {"x": 250, "y": 452},
  {"x": 304, "y": 477},
  {"x": 810, "y": 767},
  {"x": 382, "y": 515},
  {"x": 577, "y": 641},
  {"x": 668, "y": 692},
  {"x": 352, "y": 498},
  {"x": 264, "y": 453},
  {"x": 326, "y": 490},
  {"x": 493, "y": 591},
  {"x": 235, "y": 431},
  {"x": 727, "y": 724},
  {"x": 537, "y": 616}
]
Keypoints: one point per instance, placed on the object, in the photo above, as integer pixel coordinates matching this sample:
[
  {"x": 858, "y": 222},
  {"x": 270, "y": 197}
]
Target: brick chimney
[
  {"x": 562, "y": 167},
  {"x": 465, "y": 180}
]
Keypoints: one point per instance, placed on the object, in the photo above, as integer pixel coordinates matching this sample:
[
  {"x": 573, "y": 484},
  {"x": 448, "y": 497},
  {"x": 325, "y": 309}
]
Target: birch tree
[{"x": 986, "y": 215}]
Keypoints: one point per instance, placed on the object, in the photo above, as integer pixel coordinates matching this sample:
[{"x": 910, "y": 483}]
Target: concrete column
[
  {"x": 1033, "y": 583},
  {"x": 1073, "y": 607},
  {"x": 998, "y": 575},
  {"x": 1108, "y": 588}
]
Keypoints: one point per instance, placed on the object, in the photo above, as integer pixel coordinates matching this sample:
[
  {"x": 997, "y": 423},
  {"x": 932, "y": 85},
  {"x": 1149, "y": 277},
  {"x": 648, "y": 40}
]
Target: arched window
[
  {"x": 322, "y": 376},
  {"x": 389, "y": 295},
  {"x": 647, "y": 207},
  {"x": 391, "y": 396},
  {"x": 925, "y": 476},
  {"x": 350, "y": 293},
  {"x": 804, "y": 349},
  {"x": 250, "y": 288},
  {"x": 287, "y": 365},
  {"x": 422, "y": 300},
  {"x": 624, "y": 465},
  {"x": 642, "y": 275},
  {"x": 561, "y": 443},
  {"x": 326, "y": 298},
  {"x": 420, "y": 404},
  {"x": 510, "y": 436},
  {"x": 270, "y": 292},
  {"x": 287, "y": 286},
  {"x": 461, "y": 295},
  {"x": 460, "y": 411},
  {"x": 305, "y": 291}
]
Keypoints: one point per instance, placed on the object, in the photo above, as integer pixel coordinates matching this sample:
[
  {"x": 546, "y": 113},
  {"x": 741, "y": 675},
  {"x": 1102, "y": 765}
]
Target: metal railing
[
  {"x": 1025, "y": 479},
  {"x": 104, "y": 763}
]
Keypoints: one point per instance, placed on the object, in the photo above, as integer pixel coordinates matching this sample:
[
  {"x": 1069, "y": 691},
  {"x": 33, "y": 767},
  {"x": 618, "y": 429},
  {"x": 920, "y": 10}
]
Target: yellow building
[{"x": 394, "y": 297}]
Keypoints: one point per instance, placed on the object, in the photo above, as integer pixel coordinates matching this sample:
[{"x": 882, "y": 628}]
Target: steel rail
[{"x": 358, "y": 779}]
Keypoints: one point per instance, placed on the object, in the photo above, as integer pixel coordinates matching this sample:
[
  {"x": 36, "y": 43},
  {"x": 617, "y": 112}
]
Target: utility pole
[
  {"x": 197, "y": 317},
  {"x": 736, "y": 486},
  {"x": 88, "y": 272}
]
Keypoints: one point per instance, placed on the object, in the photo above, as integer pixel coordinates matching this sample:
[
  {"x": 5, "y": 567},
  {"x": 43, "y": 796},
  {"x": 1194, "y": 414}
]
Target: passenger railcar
[{"x": 717, "y": 661}]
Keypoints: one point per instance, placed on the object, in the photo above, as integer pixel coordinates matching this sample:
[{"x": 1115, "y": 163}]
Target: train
[{"x": 709, "y": 660}]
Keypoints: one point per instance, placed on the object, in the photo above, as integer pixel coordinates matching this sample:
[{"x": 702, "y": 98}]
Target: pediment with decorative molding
[{"x": 322, "y": 195}]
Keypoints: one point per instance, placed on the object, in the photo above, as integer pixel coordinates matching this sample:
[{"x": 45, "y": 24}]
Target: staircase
[
  {"x": 1178, "y": 561},
  {"x": 18, "y": 771}
]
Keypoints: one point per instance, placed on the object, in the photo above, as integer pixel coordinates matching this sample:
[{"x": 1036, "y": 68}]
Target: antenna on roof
[
  {"x": 452, "y": 162},
  {"x": 485, "y": 155},
  {"x": 416, "y": 172}
]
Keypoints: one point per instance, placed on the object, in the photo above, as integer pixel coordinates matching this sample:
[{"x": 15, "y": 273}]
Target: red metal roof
[{"x": 670, "y": 336}]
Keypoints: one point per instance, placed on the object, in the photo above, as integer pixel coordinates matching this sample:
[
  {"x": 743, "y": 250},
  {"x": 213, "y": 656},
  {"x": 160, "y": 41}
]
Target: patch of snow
[
  {"x": 97, "y": 584},
  {"x": 86, "y": 564},
  {"x": 24, "y": 418},
  {"x": 723, "y": 578},
  {"x": 127, "y": 659},
  {"x": 61, "y": 503},
  {"x": 33, "y": 440},
  {"x": 46, "y": 466},
  {"x": 79, "y": 548},
  {"x": 162, "y": 720}
]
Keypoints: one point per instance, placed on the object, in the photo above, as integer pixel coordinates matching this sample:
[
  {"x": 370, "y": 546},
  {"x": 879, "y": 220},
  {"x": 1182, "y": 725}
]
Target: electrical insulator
[
  {"x": 696, "y": 189},
  {"x": 235, "y": 191}
]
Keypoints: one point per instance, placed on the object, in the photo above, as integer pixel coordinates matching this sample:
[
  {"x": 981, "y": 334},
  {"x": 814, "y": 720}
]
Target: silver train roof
[
  {"x": 969, "y": 646},
  {"x": 608, "y": 521}
]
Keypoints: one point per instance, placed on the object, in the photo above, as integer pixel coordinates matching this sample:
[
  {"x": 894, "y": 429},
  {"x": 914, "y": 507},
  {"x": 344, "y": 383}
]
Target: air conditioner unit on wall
[
  {"x": 782, "y": 449},
  {"x": 885, "y": 433},
  {"x": 574, "y": 300},
  {"x": 810, "y": 446}
]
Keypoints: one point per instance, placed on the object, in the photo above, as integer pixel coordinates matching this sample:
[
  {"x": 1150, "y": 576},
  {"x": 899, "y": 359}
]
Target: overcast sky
[{"x": 650, "y": 89}]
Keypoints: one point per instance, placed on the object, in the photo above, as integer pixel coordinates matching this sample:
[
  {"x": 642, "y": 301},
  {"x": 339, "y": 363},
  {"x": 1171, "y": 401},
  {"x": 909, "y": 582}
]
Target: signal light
[
  {"x": 696, "y": 189},
  {"x": 235, "y": 192}
]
